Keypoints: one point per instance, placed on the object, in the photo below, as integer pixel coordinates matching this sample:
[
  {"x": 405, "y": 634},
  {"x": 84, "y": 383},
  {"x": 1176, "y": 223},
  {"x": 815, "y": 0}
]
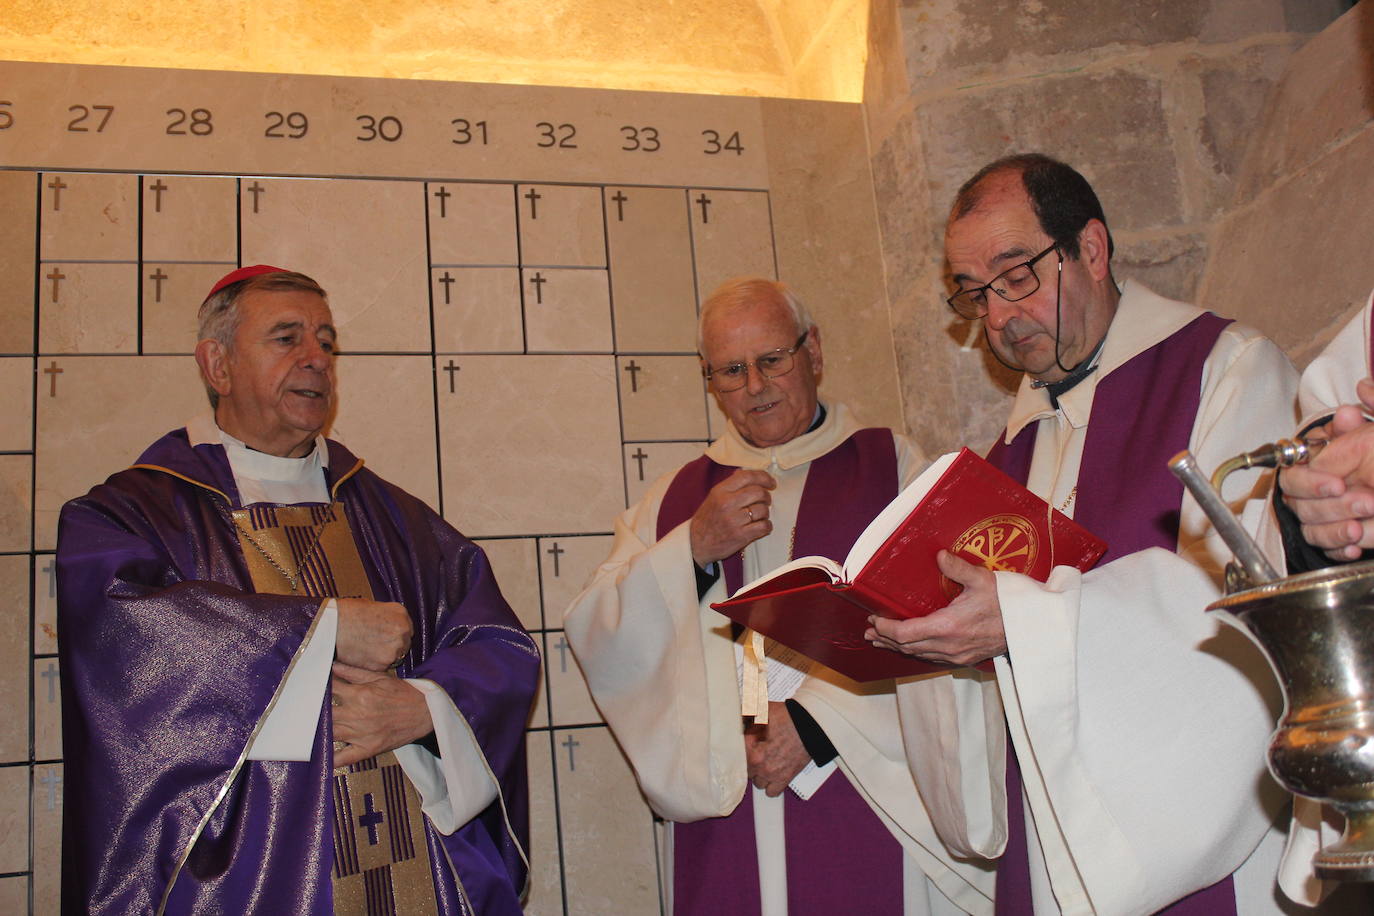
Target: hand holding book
[{"x": 966, "y": 631}]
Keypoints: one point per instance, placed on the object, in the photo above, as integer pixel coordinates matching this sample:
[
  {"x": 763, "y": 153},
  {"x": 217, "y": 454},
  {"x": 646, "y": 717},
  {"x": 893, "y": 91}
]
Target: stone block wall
[{"x": 1155, "y": 102}]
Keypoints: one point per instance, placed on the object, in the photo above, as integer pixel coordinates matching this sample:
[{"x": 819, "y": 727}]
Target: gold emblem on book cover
[{"x": 1001, "y": 543}]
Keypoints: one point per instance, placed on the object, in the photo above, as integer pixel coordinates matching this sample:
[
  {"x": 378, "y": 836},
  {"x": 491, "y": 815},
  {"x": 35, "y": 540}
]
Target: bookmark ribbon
[{"x": 754, "y": 690}]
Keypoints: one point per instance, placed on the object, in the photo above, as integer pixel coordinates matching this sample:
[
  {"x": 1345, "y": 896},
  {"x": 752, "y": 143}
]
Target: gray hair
[
  {"x": 220, "y": 315},
  {"x": 753, "y": 292}
]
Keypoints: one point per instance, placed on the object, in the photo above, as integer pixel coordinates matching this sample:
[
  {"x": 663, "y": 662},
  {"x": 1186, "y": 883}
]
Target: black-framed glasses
[
  {"x": 770, "y": 365},
  {"x": 1013, "y": 285}
]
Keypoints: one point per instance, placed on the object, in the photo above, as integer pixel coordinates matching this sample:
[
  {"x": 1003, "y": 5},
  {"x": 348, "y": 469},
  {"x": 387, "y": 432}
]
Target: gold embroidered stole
[{"x": 381, "y": 860}]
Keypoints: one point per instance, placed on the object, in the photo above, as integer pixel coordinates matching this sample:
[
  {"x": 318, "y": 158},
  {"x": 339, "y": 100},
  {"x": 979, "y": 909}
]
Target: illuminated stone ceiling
[{"x": 810, "y": 49}]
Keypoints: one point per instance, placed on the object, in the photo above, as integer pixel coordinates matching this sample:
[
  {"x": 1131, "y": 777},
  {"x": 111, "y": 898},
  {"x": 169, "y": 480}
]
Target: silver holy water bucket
[{"x": 1317, "y": 630}]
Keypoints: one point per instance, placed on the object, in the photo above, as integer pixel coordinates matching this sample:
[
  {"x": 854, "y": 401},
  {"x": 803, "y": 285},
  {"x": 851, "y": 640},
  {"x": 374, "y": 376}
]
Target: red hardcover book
[{"x": 961, "y": 504}]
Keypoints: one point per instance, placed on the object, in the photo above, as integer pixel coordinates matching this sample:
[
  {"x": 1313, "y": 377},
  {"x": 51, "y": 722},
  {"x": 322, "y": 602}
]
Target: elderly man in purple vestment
[
  {"x": 1114, "y": 760},
  {"x": 288, "y": 685},
  {"x": 832, "y": 823}
]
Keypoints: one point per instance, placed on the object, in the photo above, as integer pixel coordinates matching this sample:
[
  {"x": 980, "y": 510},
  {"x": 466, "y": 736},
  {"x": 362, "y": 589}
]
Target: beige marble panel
[
  {"x": 18, "y": 232},
  {"x": 172, "y": 294},
  {"x": 106, "y": 410},
  {"x": 517, "y": 572},
  {"x": 539, "y": 711},
  {"x": 189, "y": 218},
  {"x": 661, "y": 397},
  {"x": 14, "y": 818},
  {"x": 88, "y": 216},
  {"x": 546, "y": 886},
  {"x": 531, "y": 444},
  {"x": 477, "y": 310},
  {"x": 14, "y": 655},
  {"x": 567, "y": 311},
  {"x": 88, "y": 308},
  {"x": 646, "y": 462},
  {"x": 472, "y": 224},
  {"x": 652, "y": 286},
  {"x": 565, "y": 565},
  {"x": 386, "y": 418},
  {"x": 608, "y": 840},
  {"x": 16, "y": 500},
  {"x": 45, "y": 604},
  {"x": 570, "y": 703},
  {"x": 14, "y": 895},
  {"x": 363, "y": 241},
  {"x": 16, "y": 407},
  {"x": 716, "y": 420},
  {"x": 732, "y": 236},
  {"x": 47, "y": 710},
  {"x": 561, "y": 226},
  {"x": 47, "y": 838}
]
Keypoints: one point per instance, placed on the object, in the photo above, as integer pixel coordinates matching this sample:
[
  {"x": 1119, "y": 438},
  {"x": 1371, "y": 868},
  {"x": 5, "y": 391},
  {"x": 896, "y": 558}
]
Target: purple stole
[
  {"x": 840, "y": 857},
  {"x": 1142, "y": 415}
]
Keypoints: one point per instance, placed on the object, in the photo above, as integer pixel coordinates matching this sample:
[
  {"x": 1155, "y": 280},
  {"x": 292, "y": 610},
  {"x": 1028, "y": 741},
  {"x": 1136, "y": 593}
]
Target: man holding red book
[{"x": 1114, "y": 760}]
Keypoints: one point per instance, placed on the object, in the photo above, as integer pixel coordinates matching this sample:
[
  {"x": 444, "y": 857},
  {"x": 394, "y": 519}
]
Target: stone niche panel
[
  {"x": 14, "y": 655},
  {"x": 732, "y": 236},
  {"x": 47, "y": 837},
  {"x": 190, "y": 219},
  {"x": 646, "y": 462},
  {"x": 514, "y": 563},
  {"x": 531, "y": 444},
  {"x": 14, "y": 819},
  {"x": 567, "y": 311},
  {"x": 89, "y": 216},
  {"x": 472, "y": 224},
  {"x": 1109, "y": 126},
  {"x": 16, "y": 408},
  {"x": 363, "y": 241},
  {"x": 561, "y": 226},
  {"x": 18, "y": 231},
  {"x": 565, "y": 566},
  {"x": 47, "y": 709},
  {"x": 570, "y": 703},
  {"x": 88, "y": 308},
  {"x": 16, "y": 480},
  {"x": 546, "y": 885},
  {"x": 661, "y": 397},
  {"x": 477, "y": 310},
  {"x": 106, "y": 410},
  {"x": 652, "y": 285},
  {"x": 45, "y": 604},
  {"x": 608, "y": 839}
]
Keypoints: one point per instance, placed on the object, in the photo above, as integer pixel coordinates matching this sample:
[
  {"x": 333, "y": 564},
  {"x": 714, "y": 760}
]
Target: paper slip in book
[{"x": 961, "y": 504}]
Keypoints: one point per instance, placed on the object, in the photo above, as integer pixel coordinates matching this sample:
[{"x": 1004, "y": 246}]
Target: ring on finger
[{"x": 749, "y": 510}]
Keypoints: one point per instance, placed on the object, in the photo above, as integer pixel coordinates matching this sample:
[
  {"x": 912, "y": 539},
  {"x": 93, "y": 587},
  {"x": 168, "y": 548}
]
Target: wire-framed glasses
[
  {"x": 770, "y": 365},
  {"x": 1013, "y": 284}
]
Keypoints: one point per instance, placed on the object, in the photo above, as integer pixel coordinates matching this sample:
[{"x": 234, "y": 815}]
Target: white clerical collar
[
  {"x": 261, "y": 477},
  {"x": 731, "y": 449}
]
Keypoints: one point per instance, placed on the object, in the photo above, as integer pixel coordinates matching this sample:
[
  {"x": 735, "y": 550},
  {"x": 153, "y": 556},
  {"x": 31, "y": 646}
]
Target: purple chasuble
[
  {"x": 169, "y": 660},
  {"x": 1142, "y": 415},
  {"x": 840, "y": 857}
]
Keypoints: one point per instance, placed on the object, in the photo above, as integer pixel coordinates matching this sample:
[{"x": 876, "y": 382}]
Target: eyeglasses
[
  {"x": 770, "y": 365},
  {"x": 1012, "y": 284}
]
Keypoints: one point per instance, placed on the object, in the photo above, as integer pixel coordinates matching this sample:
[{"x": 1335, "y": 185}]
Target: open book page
[
  {"x": 888, "y": 520},
  {"x": 795, "y": 574}
]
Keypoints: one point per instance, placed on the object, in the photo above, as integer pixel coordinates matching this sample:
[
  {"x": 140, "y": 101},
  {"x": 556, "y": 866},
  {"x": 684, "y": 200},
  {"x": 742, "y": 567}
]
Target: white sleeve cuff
[
  {"x": 457, "y": 785},
  {"x": 288, "y": 733}
]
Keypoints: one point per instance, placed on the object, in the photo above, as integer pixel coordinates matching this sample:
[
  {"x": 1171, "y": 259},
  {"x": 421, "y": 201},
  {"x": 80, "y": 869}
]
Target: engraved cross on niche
[
  {"x": 52, "y": 372},
  {"x": 51, "y": 570},
  {"x": 639, "y": 456},
  {"x": 452, "y": 370},
  {"x": 157, "y": 277},
  {"x": 57, "y": 276},
  {"x": 57, "y": 184},
  {"x": 704, "y": 202},
  {"x": 634, "y": 369},
  {"x": 538, "y": 280},
  {"x": 447, "y": 279},
  {"x": 443, "y": 194},
  {"x": 51, "y": 779},
  {"x": 555, "y": 551},
  {"x": 256, "y": 190},
  {"x": 370, "y": 820},
  {"x": 157, "y": 188},
  {"x": 49, "y": 674},
  {"x": 619, "y": 198},
  {"x": 570, "y": 744},
  {"x": 562, "y": 647},
  {"x": 534, "y": 197}
]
